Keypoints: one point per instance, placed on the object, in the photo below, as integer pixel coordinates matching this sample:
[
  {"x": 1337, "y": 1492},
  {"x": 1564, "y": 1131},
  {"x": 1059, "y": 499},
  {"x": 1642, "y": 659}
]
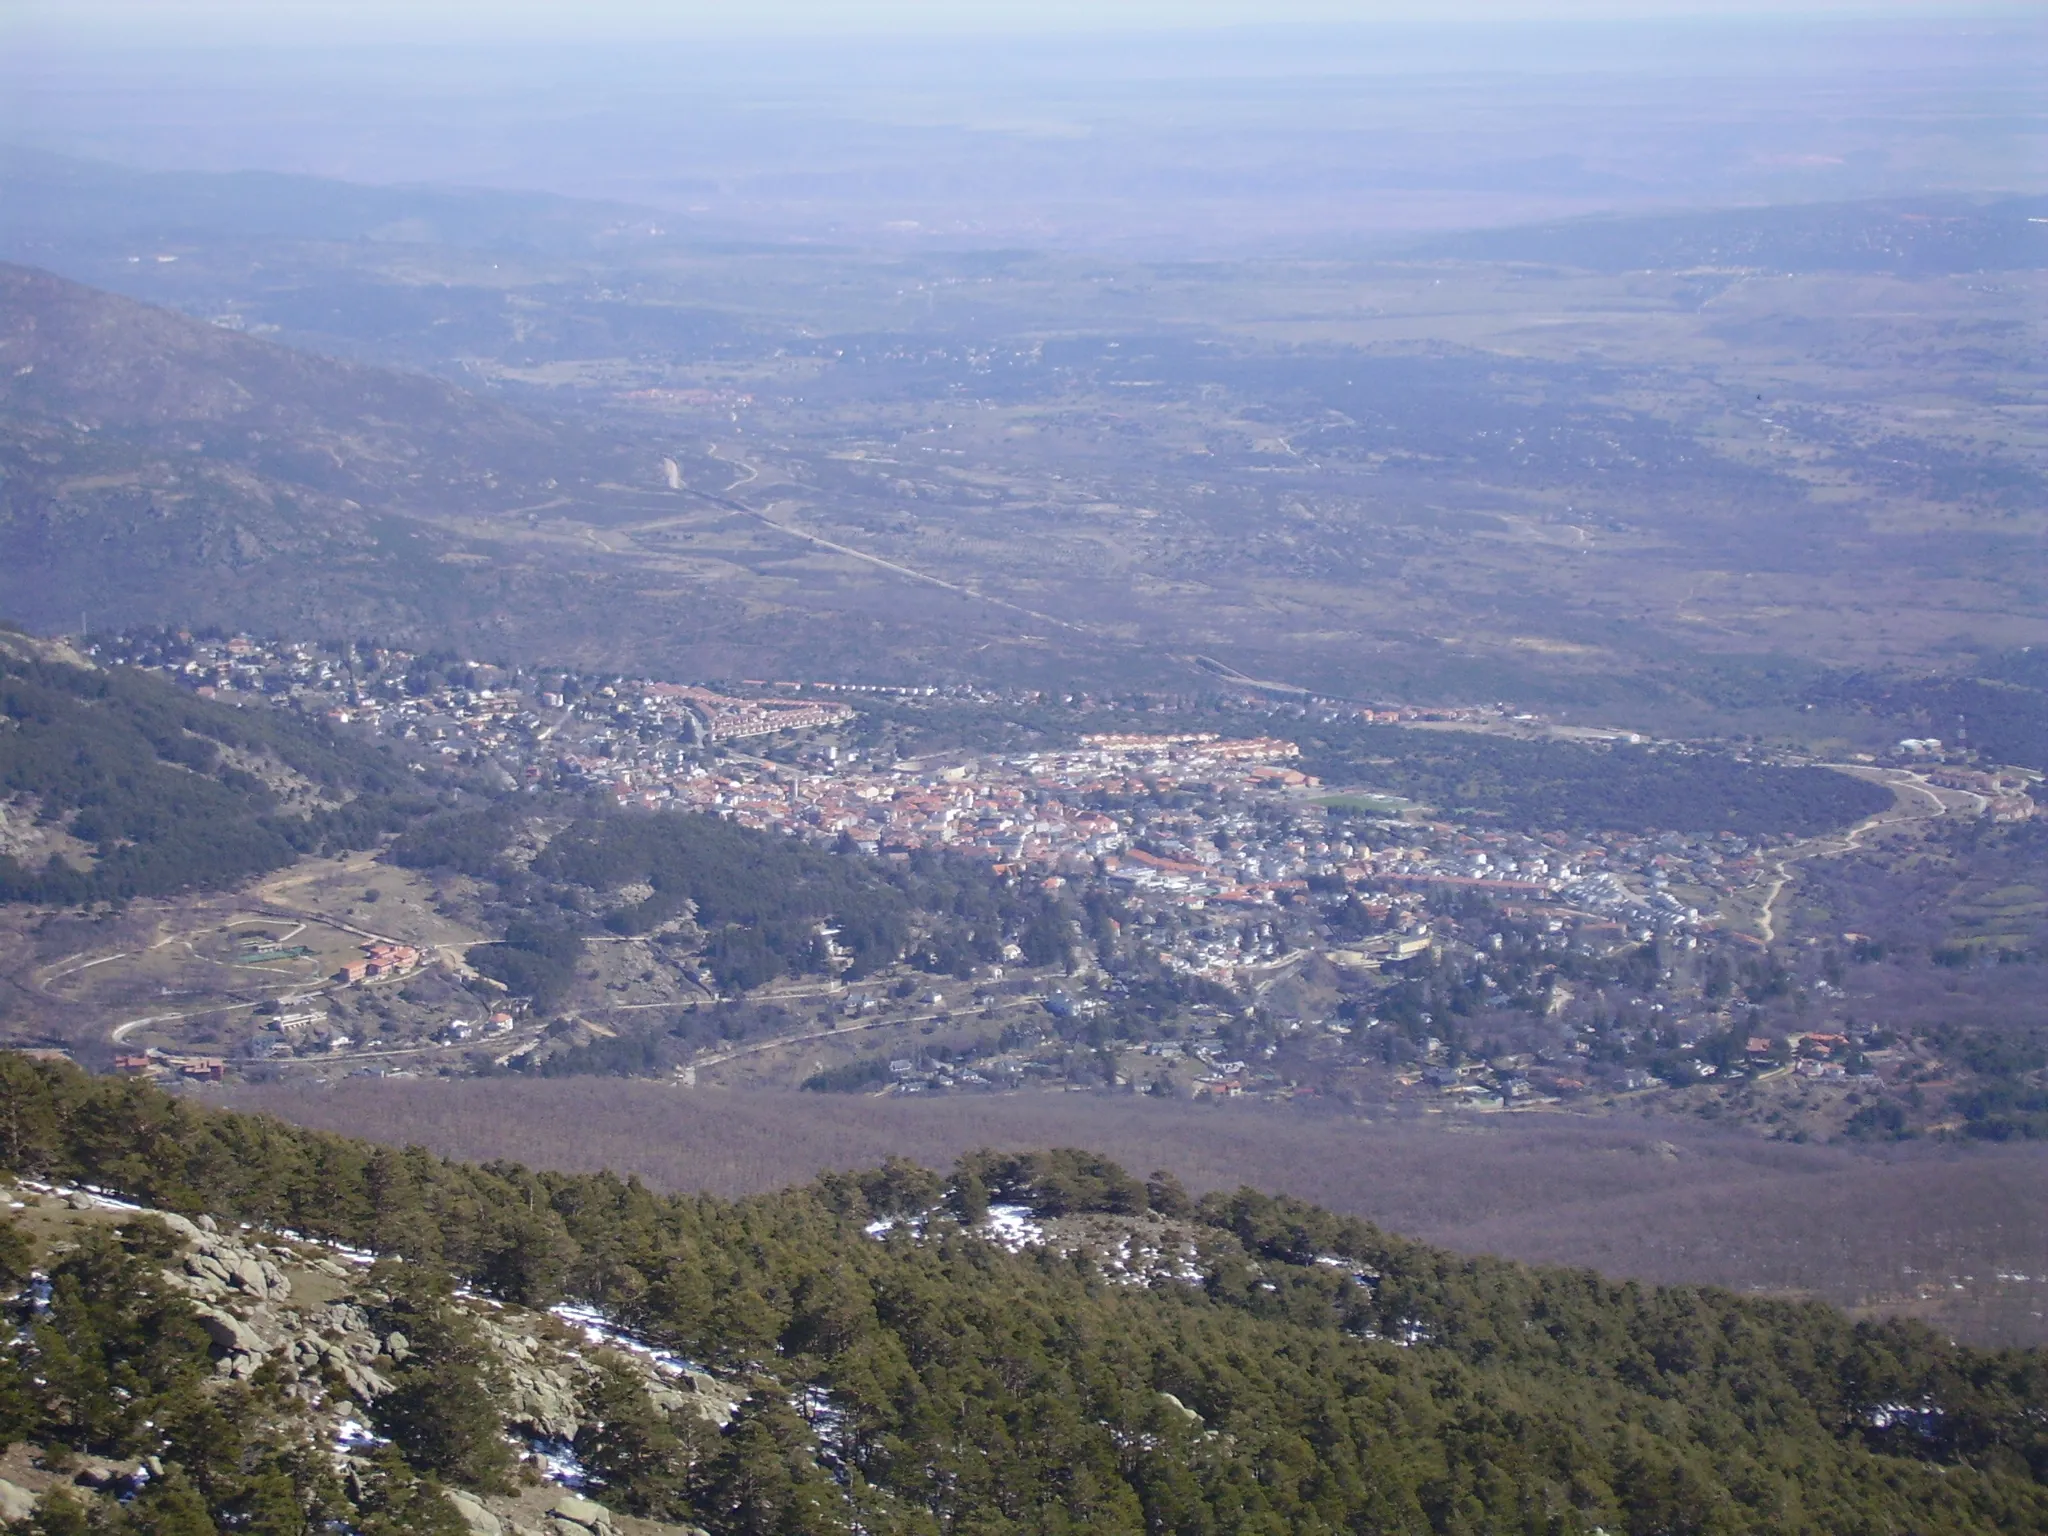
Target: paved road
[
  {"x": 908, "y": 572},
  {"x": 121, "y": 1032},
  {"x": 754, "y": 1047}
]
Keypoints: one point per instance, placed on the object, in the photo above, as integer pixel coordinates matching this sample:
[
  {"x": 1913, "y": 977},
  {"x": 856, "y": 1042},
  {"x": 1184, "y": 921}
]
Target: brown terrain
[{"x": 1955, "y": 1236}]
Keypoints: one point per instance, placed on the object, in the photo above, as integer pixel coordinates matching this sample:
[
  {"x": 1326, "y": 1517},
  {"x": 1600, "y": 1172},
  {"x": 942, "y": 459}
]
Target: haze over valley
[{"x": 1443, "y": 619}]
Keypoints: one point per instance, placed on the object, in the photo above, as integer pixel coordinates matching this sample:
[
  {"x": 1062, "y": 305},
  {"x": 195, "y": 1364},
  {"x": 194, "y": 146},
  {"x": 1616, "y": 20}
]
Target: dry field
[{"x": 186, "y": 973}]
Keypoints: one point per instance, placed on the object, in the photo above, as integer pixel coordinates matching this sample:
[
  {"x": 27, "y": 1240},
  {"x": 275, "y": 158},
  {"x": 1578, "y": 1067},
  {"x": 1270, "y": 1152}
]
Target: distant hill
[
  {"x": 114, "y": 784},
  {"x": 1916, "y": 237},
  {"x": 156, "y": 467},
  {"x": 101, "y": 370},
  {"x": 401, "y": 276},
  {"x": 58, "y": 203}
]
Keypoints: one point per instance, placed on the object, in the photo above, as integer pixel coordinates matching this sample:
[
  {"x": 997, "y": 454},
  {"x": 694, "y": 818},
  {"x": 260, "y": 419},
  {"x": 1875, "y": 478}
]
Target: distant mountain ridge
[
  {"x": 56, "y": 202},
  {"x": 1908, "y": 237}
]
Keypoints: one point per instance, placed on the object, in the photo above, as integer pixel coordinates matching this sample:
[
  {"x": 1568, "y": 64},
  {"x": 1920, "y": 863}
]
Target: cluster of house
[
  {"x": 1096, "y": 810},
  {"x": 1216, "y": 1076},
  {"x": 1816, "y": 1054},
  {"x": 641, "y": 740},
  {"x": 725, "y": 718},
  {"x": 2005, "y": 794},
  {"x": 164, "y": 1066},
  {"x": 379, "y": 959},
  {"x": 1026, "y": 811}
]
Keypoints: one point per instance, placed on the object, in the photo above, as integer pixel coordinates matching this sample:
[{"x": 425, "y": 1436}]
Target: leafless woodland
[{"x": 1955, "y": 1235}]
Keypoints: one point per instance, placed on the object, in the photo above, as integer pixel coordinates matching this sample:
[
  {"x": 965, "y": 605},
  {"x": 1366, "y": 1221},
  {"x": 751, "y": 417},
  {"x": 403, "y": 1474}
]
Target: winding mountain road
[{"x": 1915, "y": 801}]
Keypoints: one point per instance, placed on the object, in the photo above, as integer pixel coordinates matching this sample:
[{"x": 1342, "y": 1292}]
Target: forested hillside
[
  {"x": 1106, "y": 1355},
  {"x": 2001, "y": 712},
  {"x": 1565, "y": 784},
  {"x": 151, "y": 790},
  {"x": 765, "y": 906}
]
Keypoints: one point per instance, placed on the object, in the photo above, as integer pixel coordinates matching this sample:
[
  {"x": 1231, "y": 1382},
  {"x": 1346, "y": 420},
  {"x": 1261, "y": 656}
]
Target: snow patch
[
  {"x": 828, "y": 1423},
  {"x": 597, "y": 1328},
  {"x": 1359, "y": 1276},
  {"x": 556, "y": 1461},
  {"x": 1012, "y": 1226},
  {"x": 352, "y": 1435},
  {"x": 100, "y": 1198},
  {"x": 1923, "y": 1417}
]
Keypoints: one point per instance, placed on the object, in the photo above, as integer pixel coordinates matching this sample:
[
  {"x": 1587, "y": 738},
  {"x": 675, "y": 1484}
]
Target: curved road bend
[{"x": 1911, "y": 792}]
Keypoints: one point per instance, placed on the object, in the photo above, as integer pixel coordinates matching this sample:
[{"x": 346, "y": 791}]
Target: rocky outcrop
[
  {"x": 479, "y": 1519},
  {"x": 1180, "y": 1407},
  {"x": 699, "y": 1391},
  {"x": 230, "y": 1335},
  {"x": 543, "y": 1384},
  {"x": 572, "y": 1515},
  {"x": 16, "y": 1503},
  {"x": 332, "y": 1356},
  {"x": 216, "y": 1266}
]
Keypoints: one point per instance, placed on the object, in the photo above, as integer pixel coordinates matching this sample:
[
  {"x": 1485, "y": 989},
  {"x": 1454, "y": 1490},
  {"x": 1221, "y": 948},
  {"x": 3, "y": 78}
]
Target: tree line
[{"x": 1298, "y": 1372}]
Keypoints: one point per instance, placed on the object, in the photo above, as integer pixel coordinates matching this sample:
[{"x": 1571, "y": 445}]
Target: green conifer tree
[
  {"x": 645, "y": 1458},
  {"x": 441, "y": 1411}
]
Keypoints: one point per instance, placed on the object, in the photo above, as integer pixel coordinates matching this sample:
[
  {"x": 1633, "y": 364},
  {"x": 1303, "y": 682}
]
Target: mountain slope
[
  {"x": 114, "y": 784},
  {"x": 76, "y": 360},
  {"x": 268, "y": 1354},
  {"x": 1044, "y": 1343},
  {"x": 156, "y": 467}
]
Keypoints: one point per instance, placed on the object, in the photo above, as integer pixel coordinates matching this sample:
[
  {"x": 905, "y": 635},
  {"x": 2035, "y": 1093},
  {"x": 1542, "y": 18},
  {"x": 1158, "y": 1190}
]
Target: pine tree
[
  {"x": 440, "y": 1411},
  {"x": 115, "y": 1345},
  {"x": 644, "y": 1457},
  {"x": 765, "y": 1480},
  {"x": 170, "y": 1506},
  {"x": 18, "y": 1414},
  {"x": 60, "y": 1513},
  {"x": 391, "y": 1500}
]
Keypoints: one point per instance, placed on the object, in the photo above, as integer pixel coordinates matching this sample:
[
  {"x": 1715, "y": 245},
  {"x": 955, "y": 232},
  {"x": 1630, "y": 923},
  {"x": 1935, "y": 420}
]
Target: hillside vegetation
[
  {"x": 1565, "y": 784},
  {"x": 763, "y": 906},
  {"x": 1107, "y": 1356},
  {"x": 146, "y": 784},
  {"x": 156, "y": 466}
]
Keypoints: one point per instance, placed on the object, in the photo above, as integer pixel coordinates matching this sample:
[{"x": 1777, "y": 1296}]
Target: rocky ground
[{"x": 304, "y": 1309}]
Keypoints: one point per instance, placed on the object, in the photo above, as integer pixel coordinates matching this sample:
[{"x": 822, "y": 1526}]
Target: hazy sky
[
  {"x": 1268, "y": 123},
  {"x": 211, "y": 22}
]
